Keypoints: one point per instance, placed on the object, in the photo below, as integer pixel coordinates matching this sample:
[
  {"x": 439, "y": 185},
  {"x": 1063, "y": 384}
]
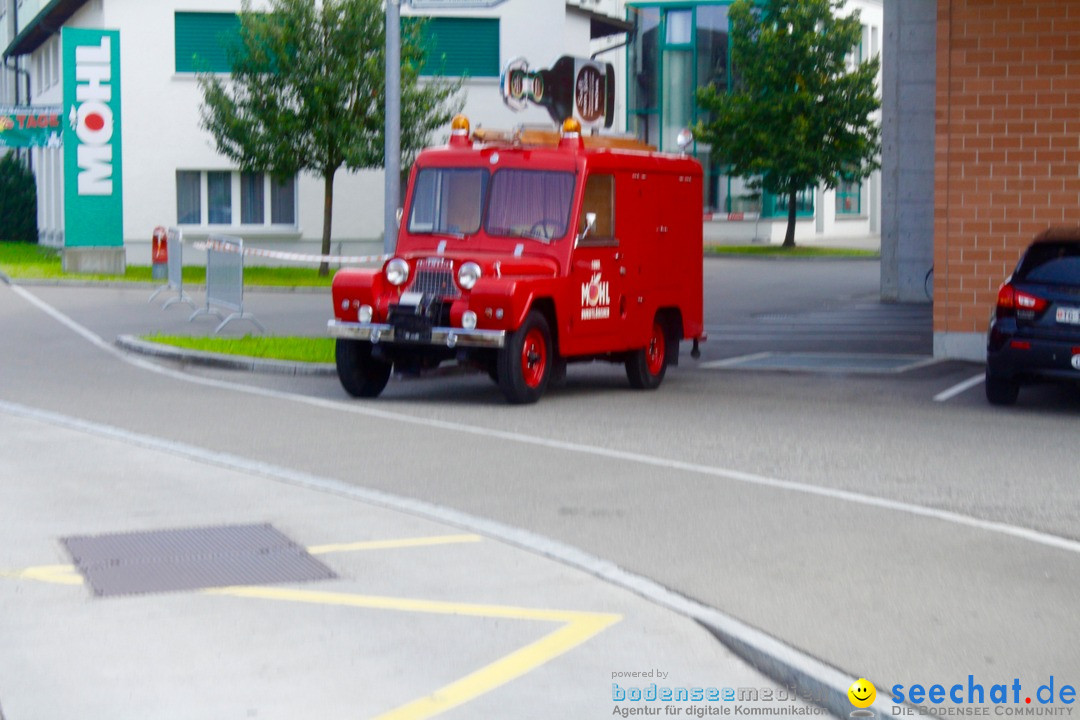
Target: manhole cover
[{"x": 191, "y": 559}]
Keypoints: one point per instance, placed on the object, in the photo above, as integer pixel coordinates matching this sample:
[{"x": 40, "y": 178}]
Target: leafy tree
[
  {"x": 800, "y": 112},
  {"x": 307, "y": 92},
  {"x": 18, "y": 201}
]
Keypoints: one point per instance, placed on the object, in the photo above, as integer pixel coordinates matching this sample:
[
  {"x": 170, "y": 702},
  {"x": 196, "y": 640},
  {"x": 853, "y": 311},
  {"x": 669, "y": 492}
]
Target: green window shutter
[
  {"x": 202, "y": 40},
  {"x": 461, "y": 46}
]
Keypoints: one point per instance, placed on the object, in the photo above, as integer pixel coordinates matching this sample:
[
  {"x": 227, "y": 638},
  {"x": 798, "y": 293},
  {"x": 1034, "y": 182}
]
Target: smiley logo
[{"x": 862, "y": 693}]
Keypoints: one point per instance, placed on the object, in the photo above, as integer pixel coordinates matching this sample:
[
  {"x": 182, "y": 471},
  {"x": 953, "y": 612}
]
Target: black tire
[
  {"x": 524, "y": 366},
  {"x": 361, "y": 375},
  {"x": 645, "y": 368},
  {"x": 1000, "y": 390}
]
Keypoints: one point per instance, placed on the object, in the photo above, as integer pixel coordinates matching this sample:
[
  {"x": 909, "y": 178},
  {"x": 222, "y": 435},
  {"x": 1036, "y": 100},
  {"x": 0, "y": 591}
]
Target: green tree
[
  {"x": 18, "y": 201},
  {"x": 800, "y": 110},
  {"x": 307, "y": 93}
]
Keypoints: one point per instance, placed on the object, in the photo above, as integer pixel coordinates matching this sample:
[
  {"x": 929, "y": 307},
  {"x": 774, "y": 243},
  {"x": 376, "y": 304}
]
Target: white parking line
[
  {"x": 741, "y": 359},
  {"x": 957, "y": 389}
]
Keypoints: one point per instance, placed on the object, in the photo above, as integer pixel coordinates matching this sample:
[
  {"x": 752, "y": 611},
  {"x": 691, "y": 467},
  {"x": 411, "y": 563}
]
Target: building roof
[
  {"x": 49, "y": 20},
  {"x": 601, "y": 25}
]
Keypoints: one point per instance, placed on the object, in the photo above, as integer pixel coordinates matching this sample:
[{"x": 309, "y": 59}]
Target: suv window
[
  {"x": 448, "y": 200},
  {"x": 1052, "y": 263},
  {"x": 599, "y": 199},
  {"x": 530, "y": 203}
]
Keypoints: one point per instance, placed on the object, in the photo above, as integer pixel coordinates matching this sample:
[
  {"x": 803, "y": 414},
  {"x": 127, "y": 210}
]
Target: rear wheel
[
  {"x": 361, "y": 374},
  {"x": 1000, "y": 390},
  {"x": 524, "y": 365},
  {"x": 645, "y": 368}
]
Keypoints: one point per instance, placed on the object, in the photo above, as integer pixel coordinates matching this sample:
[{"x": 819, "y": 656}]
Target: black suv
[{"x": 1035, "y": 331}]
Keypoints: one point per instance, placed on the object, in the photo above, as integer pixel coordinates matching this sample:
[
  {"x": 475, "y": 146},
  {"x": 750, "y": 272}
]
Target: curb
[
  {"x": 781, "y": 258},
  {"x": 132, "y": 344}
]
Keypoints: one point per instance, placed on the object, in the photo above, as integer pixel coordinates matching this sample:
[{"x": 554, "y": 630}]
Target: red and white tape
[
  {"x": 731, "y": 217},
  {"x": 291, "y": 256}
]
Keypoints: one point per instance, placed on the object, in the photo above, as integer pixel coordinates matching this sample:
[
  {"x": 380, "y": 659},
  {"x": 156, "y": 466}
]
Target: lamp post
[{"x": 392, "y": 157}]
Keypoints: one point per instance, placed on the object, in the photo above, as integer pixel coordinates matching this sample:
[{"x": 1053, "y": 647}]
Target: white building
[{"x": 172, "y": 175}]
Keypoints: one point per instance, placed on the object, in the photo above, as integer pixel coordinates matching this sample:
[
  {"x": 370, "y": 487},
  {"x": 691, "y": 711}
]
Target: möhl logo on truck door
[
  {"x": 595, "y": 298},
  {"x": 93, "y": 188}
]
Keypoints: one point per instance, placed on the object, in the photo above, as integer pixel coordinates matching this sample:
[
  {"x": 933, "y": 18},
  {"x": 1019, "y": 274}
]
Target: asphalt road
[{"x": 851, "y": 516}]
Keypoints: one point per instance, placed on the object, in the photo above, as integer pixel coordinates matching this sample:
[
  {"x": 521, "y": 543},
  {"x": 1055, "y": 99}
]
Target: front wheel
[
  {"x": 645, "y": 368},
  {"x": 524, "y": 366},
  {"x": 361, "y": 374}
]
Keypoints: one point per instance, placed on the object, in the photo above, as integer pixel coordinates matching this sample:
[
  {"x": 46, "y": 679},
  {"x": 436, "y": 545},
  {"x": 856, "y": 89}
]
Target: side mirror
[{"x": 590, "y": 226}]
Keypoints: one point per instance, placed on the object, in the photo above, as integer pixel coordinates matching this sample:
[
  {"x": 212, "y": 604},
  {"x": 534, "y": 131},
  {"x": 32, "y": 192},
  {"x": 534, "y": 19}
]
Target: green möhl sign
[{"x": 93, "y": 180}]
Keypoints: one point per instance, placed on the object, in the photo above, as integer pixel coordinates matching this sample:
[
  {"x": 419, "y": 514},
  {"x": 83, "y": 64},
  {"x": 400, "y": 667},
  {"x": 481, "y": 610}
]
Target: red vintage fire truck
[{"x": 520, "y": 252}]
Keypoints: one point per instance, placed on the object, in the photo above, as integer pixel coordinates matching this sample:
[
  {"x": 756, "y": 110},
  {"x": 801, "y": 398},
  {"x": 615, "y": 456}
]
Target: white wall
[{"x": 161, "y": 132}]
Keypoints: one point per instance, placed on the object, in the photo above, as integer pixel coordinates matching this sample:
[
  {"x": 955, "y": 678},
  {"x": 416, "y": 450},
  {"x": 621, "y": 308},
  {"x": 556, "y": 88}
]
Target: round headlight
[
  {"x": 365, "y": 313},
  {"x": 397, "y": 272},
  {"x": 468, "y": 320},
  {"x": 467, "y": 275}
]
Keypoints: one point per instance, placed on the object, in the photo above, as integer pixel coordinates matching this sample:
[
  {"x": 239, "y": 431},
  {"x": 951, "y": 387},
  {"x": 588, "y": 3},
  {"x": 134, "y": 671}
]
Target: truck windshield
[
  {"x": 448, "y": 201},
  {"x": 530, "y": 203}
]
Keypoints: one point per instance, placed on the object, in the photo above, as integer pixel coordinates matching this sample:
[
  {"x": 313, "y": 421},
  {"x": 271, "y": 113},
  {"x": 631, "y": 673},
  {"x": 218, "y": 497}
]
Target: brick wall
[{"x": 1007, "y": 153}]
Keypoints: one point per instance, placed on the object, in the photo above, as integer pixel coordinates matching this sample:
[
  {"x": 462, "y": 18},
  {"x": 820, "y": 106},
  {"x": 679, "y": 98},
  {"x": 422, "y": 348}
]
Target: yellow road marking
[
  {"x": 394, "y": 544},
  {"x": 378, "y": 602},
  {"x": 577, "y": 628},
  {"x": 504, "y": 669},
  {"x": 59, "y": 574}
]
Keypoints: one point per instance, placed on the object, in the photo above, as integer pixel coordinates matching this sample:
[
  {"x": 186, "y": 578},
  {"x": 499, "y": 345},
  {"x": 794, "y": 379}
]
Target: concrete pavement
[
  {"x": 425, "y": 618},
  {"x": 421, "y": 614},
  {"x": 933, "y": 601}
]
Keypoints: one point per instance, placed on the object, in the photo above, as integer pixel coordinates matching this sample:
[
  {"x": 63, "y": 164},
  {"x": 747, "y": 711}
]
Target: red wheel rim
[
  {"x": 533, "y": 358},
  {"x": 654, "y": 352}
]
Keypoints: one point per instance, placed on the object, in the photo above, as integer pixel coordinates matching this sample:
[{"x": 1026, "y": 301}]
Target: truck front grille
[{"x": 435, "y": 276}]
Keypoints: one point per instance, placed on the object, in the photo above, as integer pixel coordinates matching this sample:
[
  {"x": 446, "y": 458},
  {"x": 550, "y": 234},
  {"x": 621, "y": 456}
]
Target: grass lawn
[
  {"x": 24, "y": 261},
  {"x": 297, "y": 349},
  {"x": 782, "y": 252}
]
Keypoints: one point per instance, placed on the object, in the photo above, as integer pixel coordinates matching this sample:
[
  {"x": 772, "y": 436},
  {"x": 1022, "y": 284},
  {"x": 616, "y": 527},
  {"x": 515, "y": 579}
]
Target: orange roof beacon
[{"x": 521, "y": 252}]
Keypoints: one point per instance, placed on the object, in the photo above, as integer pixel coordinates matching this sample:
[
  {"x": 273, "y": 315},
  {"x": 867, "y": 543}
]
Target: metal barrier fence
[
  {"x": 174, "y": 247},
  {"x": 225, "y": 281}
]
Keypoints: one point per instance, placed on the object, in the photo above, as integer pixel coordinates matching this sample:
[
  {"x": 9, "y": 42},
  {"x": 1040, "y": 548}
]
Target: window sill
[
  {"x": 840, "y": 217},
  {"x": 248, "y": 232}
]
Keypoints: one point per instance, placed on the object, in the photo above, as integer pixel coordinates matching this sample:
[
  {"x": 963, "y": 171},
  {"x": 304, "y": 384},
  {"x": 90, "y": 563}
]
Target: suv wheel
[
  {"x": 1000, "y": 390},
  {"x": 361, "y": 375},
  {"x": 645, "y": 368},
  {"x": 524, "y": 365}
]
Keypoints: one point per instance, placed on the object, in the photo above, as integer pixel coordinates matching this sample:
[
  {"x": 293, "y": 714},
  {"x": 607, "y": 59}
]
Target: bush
[{"x": 18, "y": 201}]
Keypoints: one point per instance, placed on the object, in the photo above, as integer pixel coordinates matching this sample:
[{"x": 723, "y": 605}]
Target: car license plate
[{"x": 1069, "y": 316}]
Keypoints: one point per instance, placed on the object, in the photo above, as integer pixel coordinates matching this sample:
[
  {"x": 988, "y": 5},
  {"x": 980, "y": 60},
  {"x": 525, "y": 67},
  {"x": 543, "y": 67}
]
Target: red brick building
[{"x": 1006, "y": 151}]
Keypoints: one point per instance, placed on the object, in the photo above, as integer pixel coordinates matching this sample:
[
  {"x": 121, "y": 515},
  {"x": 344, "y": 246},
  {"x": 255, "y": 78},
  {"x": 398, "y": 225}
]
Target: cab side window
[{"x": 599, "y": 199}]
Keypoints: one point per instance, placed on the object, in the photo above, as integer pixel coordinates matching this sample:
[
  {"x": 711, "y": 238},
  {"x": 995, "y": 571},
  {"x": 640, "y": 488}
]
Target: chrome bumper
[{"x": 448, "y": 337}]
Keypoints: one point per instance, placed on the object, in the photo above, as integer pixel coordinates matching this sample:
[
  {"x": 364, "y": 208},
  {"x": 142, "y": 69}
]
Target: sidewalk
[
  {"x": 421, "y": 619},
  {"x": 744, "y": 232},
  {"x": 413, "y": 617}
]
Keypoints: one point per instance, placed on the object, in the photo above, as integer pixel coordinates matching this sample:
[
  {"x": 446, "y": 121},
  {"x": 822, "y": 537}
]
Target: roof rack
[{"x": 524, "y": 136}]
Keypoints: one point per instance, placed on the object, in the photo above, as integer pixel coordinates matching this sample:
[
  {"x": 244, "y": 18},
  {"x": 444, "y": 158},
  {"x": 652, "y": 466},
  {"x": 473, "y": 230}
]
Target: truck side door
[{"x": 598, "y": 268}]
